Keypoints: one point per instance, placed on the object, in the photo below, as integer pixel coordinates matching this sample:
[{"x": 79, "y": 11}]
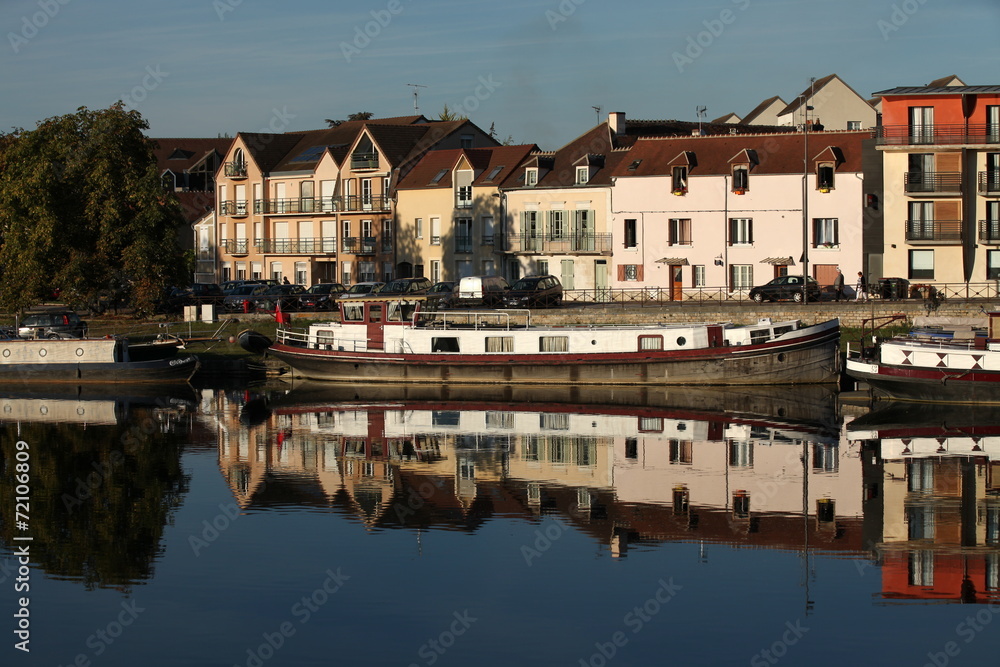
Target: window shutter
[
  {"x": 836, "y": 231},
  {"x": 638, "y": 272},
  {"x": 750, "y": 231},
  {"x": 621, "y": 272}
]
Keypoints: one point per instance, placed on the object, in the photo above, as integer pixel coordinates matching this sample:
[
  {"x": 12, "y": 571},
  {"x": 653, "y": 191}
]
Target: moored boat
[
  {"x": 87, "y": 360},
  {"x": 961, "y": 367},
  {"x": 393, "y": 340}
]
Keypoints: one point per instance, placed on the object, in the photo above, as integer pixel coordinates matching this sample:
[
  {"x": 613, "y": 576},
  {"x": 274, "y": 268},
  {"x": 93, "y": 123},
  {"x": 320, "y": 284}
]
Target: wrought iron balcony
[
  {"x": 568, "y": 244},
  {"x": 989, "y": 231},
  {"x": 364, "y": 161},
  {"x": 917, "y": 135},
  {"x": 932, "y": 182},
  {"x": 333, "y": 204},
  {"x": 234, "y": 208},
  {"x": 300, "y": 246},
  {"x": 989, "y": 182},
  {"x": 937, "y": 231},
  {"x": 236, "y": 246},
  {"x": 364, "y": 245},
  {"x": 488, "y": 239},
  {"x": 235, "y": 169}
]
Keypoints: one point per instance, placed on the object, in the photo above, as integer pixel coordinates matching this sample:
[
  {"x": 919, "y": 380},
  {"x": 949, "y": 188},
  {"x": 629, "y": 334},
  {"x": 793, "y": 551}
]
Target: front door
[
  {"x": 601, "y": 280},
  {"x": 677, "y": 284},
  {"x": 376, "y": 326}
]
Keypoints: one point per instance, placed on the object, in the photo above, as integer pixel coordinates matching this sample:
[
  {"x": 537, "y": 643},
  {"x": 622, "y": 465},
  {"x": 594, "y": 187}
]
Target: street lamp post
[{"x": 805, "y": 193}]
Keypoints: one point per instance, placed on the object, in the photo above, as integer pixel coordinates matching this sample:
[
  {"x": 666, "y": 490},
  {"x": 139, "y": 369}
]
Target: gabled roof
[
  {"x": 777, "y": 153},
  {"x": 179, "y": 155},
  {"x": 830, "y": 154},
  {"x": 811, "y": 92},
  {"x": 267, "y": 149},
  {"x": 731, "y": 117},
  {"x": 503, "y": 160},
  {"x": 760, "y": 108},
  {"x": 950, "y": 80}
]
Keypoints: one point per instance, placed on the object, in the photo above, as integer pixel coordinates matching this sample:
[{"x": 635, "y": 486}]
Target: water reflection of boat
[
  {"x": 626, "y": 467},
  {"x": 87, "y": 404},
  {"x": 934, "y": 487}
]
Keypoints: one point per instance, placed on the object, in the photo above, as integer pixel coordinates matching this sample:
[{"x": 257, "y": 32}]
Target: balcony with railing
[
  {"x": 364, "y": 161},
  {"x": 934, "y": 231},
  {"x": 313, "y": 205},
  {"x": 236, "y": 246},
  {"x": 937, "y": 135},
  {"x": 989, "y": 182},
  {"x": 236, "y": 208},
  {"x": 358, "y": 245},
  {"x": 916, "y": 183},
  {"x": 569, "y": 244},
  {"x": 989, "y": 231},
  {"x": 300, "y": 246},
  {"x": 463, "y": 243},
  {"x": 463, "y": 197},
  {"x": 235, "y": 170}
]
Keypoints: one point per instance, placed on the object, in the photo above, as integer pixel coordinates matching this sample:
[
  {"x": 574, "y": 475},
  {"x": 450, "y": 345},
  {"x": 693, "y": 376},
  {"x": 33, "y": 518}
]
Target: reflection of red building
[{"x": 940, "y": 575}]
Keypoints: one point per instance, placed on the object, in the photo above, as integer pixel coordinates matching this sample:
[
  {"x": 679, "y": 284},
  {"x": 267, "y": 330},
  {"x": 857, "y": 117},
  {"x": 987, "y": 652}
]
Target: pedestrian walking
[
  {"x": 862, "y": 287},
  {"x": 838, "y": 285}
]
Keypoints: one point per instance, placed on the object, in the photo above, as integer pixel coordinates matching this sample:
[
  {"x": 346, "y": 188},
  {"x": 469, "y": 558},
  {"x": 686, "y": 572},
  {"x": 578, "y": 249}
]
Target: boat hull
[
  {"x": 179, "y": 369},
  {"x": 937, "y": 385},
  {"x": 809, "y": 359}
]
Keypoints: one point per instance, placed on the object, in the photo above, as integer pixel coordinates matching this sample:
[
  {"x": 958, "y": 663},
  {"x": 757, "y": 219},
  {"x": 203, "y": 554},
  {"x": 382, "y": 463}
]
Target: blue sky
[{"x": 198, "y": 68}]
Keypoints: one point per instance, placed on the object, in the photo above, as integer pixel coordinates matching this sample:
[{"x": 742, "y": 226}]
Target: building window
[
  {"x": 631, "y": 272},
  {"x": 740, "y": 231},
  {"x": 993, "y": 124},
  {"x": 630, "y": 233},
  {"x": 276, "y": 271},
  {"x": 366, "y": 272},
  {"x": 741, "y": 179},
  {"x": 435, "y": 270},
  {"x": 824, "y": 177},
  {"x": 301, "y": 275},
  {"x": 741, "y": 276},
  {"x": 921, "y": 265},
  {"x": 345, "y": 273},
  {"x": 466, "y": 140},
  {"x": 543, "y": 267},
  {"x": 435, "y": 231},
  {"x": 698, "y": 275},
  {"x": 679, "y": 176},
  {"x": 420, "y": 228},
  {"x": 486, "y": 225},
  {"x": 854, "y": 125},
  {"x": 680, "y": 231},
  {"x": 463, "y": 235},
  {"x": 531, "y": 176},
  {"x": 557, "y": 224},
  {"x": 825, "y": 233},
  {"x": 922, "y": 125},
  {"x": 582, "y": 175}
]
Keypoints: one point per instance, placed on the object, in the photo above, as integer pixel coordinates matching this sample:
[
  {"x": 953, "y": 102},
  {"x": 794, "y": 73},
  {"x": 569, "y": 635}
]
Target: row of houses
[{"x": 911, "y": 191}]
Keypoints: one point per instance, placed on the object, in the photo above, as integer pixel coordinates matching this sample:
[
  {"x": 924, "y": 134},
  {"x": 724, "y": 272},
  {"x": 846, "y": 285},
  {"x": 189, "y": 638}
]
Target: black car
[
  {"x": 288, "y": 295},
  {"x": 321, "y": 297},
  {"x": 534, "y": 292},
  {"x": 406, "y": 287},
  {"x": 786, "y": 287},
  {"x": 52, "y": 324},
  {"x": 441, "y": 295}
]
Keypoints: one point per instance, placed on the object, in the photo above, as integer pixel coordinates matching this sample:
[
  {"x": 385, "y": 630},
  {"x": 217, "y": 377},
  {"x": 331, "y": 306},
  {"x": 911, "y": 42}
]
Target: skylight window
[
  {"x": 494, "y": 172},
  {"x": 439, "y": 176},
  {"x": 635, "y": 165},
  {"x": 310, "y": 154}
]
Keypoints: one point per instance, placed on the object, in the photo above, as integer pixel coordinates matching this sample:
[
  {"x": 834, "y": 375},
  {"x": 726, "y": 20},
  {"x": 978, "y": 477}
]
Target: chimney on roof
[
  {"x": 696, "y": 132},
  {"x": 616, "y": 121}
]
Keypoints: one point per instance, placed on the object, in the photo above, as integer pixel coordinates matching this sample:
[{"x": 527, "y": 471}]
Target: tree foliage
[
  {"x": 360, "y": 115},
  {"x": 82, "y": 209},
  {"x": 448, "y": 114}
]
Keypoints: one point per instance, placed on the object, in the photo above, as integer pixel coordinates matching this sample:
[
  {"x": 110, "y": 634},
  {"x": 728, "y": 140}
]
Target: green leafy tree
[
  {"x": 82, "y": 209},
  {"x": 448, "y": 114}
]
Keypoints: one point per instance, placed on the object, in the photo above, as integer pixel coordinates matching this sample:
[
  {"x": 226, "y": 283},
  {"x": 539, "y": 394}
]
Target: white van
[{"x": 481, "y": 291}]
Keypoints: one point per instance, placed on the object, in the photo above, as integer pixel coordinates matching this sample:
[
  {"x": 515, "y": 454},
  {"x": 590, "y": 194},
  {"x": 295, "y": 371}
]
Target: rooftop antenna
[
  {"x": 700, "y": 112},
  {"x": 598, "y": 110},
  {"x": 416, "y": 94}
]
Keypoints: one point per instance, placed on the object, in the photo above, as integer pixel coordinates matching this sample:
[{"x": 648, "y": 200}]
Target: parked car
[
  {"x": 288, "y": 295},
  {"x": 534, "y": 292},
  {"x": 786, "y": 287},
  {"x": 230, "y": 285},
  {"x": 486, "y": 291},
  {"x": 441, "y": 295},
  {"x": 241, "y": 297},
  {"x": 52, "y": 324},
  {"x": 321, "y": 297},
  {"x": 362, "y": 289},
  {"x": 406, "y": 286}
]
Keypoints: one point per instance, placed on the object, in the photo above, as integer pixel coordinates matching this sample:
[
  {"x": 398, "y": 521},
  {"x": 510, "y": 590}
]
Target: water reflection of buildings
[
  {"x": 940, "y": 499},
  {"x": 624, "y": 475}
]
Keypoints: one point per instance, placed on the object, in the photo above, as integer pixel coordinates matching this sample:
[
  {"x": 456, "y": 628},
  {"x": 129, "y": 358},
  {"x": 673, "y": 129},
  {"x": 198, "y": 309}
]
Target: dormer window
[
  {"x": 582, "y": 175},
  {"x": 741, "y": 179},
  {"x": 824, "y": 176},
  {"x": 679, "y": 176},
  {"x": 531, "y": 176}
]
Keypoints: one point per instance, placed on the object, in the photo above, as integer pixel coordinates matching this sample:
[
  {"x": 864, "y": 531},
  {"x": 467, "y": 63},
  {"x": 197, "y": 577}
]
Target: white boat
[
  {"x": 86, "y": 360},
  {"x": 392, "y": 340},
  {"x": 962, "y": 367}
]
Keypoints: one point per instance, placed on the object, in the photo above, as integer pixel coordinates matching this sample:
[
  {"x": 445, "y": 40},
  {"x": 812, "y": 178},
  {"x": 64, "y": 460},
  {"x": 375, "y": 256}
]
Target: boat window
[
  {"x": 553, "y": 343},
  {"x": 401, "y": 311},
  {"x": 375, "y": 312},
  {"x": 499, "y": 343},
  {"x": 780, "y": 331},
  {"x": 503, "y": 420},
  {"x": 354, "y": 312},
  {"x": 324, "y": 337},
  {"x": 650, "y": 342},
  {"x": 651, "y": 424},
  {"x": 446, "y": 417},
  {"x": 759, "y": 336},
  {"x": 444, "y": 344}
]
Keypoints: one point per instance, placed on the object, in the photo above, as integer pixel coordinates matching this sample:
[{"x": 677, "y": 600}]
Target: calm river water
[{"x": 317, "y": 525}]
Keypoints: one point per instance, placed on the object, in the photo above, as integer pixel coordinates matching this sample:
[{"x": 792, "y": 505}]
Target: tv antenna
[
  {"x": 598, "y": 110},
  {"x": 700, "y": 112},
  {"x": 416, "y": 94}
]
